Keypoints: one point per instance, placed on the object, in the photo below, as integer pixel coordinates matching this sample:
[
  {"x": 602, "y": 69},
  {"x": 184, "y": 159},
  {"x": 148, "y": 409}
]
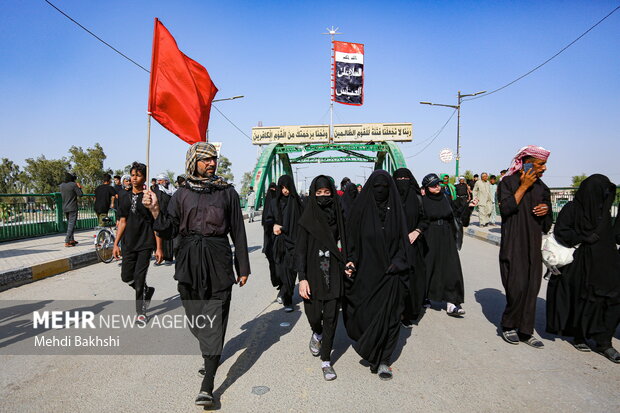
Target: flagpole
[
  {"x": 332, "y": 82},
  {"x": 148, "y": 146}
]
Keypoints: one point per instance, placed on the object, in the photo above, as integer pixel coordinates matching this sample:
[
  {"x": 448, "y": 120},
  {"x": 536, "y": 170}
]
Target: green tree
[
  {"x": 246, "y": 182},
  {"x": 172, "y": 177},
  {"x": 88, "y": 165},
  {"x": 223, "y": 169},
  {"x": 45, "y": 175},
  {"x": 11, "y": 178},
  {"x": 578, "y": 179},
  {"x": 468, "y": 175}
]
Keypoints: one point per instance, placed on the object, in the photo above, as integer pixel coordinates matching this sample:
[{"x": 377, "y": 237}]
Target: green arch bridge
[{"x": 277, "y": 160}]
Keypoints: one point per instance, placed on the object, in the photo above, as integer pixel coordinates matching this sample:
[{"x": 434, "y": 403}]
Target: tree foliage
[
  {"x": 578, "y": 179},
  {"x": 88, "y": 166},
  {"x": 45, "y": 175},
  {"x": 223, "y": 169},
  {"x": 246, "y": 182},
  {"x": 12, "y": 179}
]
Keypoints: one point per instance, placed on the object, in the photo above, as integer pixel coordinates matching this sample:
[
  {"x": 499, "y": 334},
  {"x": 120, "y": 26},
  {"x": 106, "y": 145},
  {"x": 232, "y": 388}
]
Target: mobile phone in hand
[{"x": 527, "y": 167}]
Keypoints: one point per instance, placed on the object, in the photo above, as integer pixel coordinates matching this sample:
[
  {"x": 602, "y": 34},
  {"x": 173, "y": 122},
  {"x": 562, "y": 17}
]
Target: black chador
[
  {"x": 286, "y": 210},
  {"x": 520, "y": 257},
  {"x": 321, "y": 263},
  {"x": 584, "y": 301},
  {"x": 347, "y": 199},
  {"x": 377, "y": 243},
  {"x": 267, "y": 221},
  {"x": 417, "y": 223},
  {"x": 443, "y": 237},
  {"x": 204, "y": 213}
]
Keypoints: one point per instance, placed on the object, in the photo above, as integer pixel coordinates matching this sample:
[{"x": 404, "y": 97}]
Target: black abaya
[
  {"x": 411, "y": 198},
  {"x": 584, "y": 301},
  {"x": 377, "y": 243},
  {"x": 267, "y": 221}
]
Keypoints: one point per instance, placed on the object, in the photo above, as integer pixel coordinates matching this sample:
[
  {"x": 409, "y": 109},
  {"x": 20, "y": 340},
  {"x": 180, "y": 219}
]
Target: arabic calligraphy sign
[
  {"x": 348, "y": 73},
  {"x": 375, "y": 132},
  {"x": 290, "y": 134},
  {"x": 361, "y": 132}
]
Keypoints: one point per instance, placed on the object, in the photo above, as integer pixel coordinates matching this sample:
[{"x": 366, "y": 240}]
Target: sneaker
[
  {"x": 427, "y": 303},
  {"x": 406, "y": 323},
  {"x": 141, "y": 318},
  {"x": 74, "y": 242},
  {"x": 68, "y": 244},
  {"x": 202, "y": 371},
  {"x": 279, "y": 299},
  {"x": 315, "y": 345},
  {"x": 511, "y": 336},
  {"x": 204, "y": 399},
  {"x": 329, "y": 373},
  {"x": 288, "y": 309},
  {"x": 385, "y": 372}
]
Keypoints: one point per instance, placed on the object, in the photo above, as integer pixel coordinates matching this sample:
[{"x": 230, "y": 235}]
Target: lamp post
[
  {"x": 458, "y": 122},
  {"x": 219, "y": 100}
]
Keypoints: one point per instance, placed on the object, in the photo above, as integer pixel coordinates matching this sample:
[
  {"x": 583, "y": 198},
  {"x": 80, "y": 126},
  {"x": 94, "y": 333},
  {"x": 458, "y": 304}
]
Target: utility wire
[
  {"x": 98, "y": 38},
  {"x": 434, "y": 136},
  {"x": 133, "y": 61},
  {"x": 546, "y": 61}
]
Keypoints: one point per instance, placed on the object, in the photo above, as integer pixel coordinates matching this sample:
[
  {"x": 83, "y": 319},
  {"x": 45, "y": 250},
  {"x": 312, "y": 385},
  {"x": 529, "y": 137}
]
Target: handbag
[{"x": 556, "y": 255}]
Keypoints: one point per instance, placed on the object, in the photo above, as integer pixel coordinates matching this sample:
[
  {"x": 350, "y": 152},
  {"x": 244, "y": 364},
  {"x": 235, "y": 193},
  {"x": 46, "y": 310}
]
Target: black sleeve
[
  {"x": 423, "y": 221},
  {"x": 507, "y": 203},
  {"x": 124, "y": 203},
  {"x": 167, "y": 222},
  {"x": 564, "y": 230},
  {"x": 547, "y": 220},
  {"x": 237, "y": 233},
  {"x": 301, "y": 252},
  {"x": 78, "y": 190}
]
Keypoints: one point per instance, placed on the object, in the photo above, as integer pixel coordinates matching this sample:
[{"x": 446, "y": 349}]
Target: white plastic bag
[{"x": 556, "y": 255}]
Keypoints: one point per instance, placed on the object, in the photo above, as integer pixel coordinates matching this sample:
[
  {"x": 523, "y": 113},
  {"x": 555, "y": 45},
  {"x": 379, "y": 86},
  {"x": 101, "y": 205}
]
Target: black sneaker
[
  {"x": 147, "y": 299},
  {"x": 204, "y": 399}
]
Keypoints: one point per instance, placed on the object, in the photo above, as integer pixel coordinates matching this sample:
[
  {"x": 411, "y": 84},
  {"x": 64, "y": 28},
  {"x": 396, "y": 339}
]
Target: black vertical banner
[{"x": 348, "y": 73}]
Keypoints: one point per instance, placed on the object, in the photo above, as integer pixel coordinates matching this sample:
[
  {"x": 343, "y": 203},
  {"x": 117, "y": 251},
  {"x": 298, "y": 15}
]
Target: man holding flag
[{"x": 205, "y": 211}]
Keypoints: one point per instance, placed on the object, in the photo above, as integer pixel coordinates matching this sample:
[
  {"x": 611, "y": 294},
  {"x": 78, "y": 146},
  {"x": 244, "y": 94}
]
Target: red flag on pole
[{"x": 181, "y": 90}]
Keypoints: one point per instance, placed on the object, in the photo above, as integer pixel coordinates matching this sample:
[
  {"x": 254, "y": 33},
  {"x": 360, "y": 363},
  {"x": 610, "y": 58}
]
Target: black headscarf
[
  {"x": 436, "y": 206},
  {"x": 410, "y": 195},
  {"x": 322, "y": 216},
  {"x": 592, "y": 202},
  {"x": 271, "y": 190},
  {"x": 284, "y": 203},
  {"x": 350, "y": 194}
]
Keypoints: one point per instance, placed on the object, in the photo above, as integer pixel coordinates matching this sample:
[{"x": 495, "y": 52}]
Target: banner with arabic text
[{"x": 348, "y": 73}]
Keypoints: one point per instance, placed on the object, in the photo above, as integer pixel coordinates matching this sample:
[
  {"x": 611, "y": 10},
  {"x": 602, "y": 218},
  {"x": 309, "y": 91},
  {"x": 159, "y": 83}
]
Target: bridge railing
[
  {"x": 561, "y": 196},
  {"x": 33, "y": 215}
]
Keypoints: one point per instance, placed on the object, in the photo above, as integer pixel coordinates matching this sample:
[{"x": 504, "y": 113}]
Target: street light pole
[
  {"x": 458, "y": 122},
  {"x": 219, "y": 100}
]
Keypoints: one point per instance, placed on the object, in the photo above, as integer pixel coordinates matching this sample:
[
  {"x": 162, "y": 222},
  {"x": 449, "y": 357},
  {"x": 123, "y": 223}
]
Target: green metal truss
[{"x": 274, "y": 161}]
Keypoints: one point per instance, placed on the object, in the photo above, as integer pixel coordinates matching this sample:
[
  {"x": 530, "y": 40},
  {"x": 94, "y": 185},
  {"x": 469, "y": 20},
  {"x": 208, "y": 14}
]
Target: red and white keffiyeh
[{"x": 537, "y": 152}]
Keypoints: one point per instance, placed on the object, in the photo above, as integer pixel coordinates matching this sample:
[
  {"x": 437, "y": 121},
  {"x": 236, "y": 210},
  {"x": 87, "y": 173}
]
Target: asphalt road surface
[{"x": 442, "y": 365}]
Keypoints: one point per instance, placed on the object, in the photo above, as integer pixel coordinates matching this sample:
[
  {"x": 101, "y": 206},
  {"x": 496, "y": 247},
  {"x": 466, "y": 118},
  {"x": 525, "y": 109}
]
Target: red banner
[
  {"x": 181, "y": 90},
  {"x": 348, "y": 73}
]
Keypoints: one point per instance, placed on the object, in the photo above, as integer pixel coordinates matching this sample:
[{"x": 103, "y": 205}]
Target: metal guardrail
[
  {"x": 562, "y": 196},
  {"x": 33, "y": 215}
]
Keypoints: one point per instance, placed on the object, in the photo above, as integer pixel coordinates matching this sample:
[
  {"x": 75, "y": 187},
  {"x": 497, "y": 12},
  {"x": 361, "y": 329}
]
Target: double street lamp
[
  {"x": 458, "y": 122},
  {"x": 232, "y": 98}
]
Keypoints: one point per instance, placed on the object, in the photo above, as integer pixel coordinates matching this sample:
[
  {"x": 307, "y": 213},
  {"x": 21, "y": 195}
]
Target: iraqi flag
[
  {"x": 348, "y": 73},
  {"x": 181, "y": 89}
]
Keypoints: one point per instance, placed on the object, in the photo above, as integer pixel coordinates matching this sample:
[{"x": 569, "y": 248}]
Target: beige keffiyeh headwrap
[{"x": 196, "y": 152}]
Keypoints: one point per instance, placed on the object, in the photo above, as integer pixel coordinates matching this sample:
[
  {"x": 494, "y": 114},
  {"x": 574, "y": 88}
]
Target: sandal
[
  {"x": 611, "y": 353},
  {"x": 384, "y": 372},
  {"x": 511, "y": 336},
  {"x": 329, "y": 373},
  {"x": 581, "y": 347},
  {"x": 534, "y": 342}
]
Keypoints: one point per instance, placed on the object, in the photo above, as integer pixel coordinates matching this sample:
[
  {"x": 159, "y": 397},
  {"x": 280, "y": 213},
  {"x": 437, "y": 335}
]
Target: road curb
[
  {"x": 19, "y": 276},
  {"x": 485, "y": 236}
]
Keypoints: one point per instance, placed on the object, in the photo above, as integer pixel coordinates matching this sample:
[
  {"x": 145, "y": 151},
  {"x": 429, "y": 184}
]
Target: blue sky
[{"x": 61, "y": 87}]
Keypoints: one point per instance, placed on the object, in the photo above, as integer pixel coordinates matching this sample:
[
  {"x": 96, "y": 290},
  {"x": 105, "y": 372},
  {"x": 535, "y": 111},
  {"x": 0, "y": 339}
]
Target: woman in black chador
[
  {"x": 443, "y": 237},
  {"x": 377, "y": 244},
  {"x": 411, "y": 198},
  {"x": 320, "y": 265},
  {"x": 267, "y": 220},
  {"x": 584, "y": 301},
  {"x": 286, "y": 210},
  {"x": 347, "y": 199}
]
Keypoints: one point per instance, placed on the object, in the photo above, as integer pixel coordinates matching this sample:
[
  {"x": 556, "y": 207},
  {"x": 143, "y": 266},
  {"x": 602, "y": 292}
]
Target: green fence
[
  {"x": 561, "y": 196},
  {"x": 33, "y": 215}
]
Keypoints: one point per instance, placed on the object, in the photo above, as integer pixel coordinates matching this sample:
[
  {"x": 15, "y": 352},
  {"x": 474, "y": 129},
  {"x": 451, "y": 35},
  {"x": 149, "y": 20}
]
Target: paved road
[{"x": 443, "y": 364}]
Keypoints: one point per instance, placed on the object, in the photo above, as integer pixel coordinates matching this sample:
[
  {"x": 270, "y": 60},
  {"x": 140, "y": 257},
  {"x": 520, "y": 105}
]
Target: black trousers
[
  {"x": 210, "y": 337},
  {"x": 522, "y": 289},
  {"x": 71, "y": 222},
  {"x": 287, "y": 278},
  {"x": 323, "y": 318},
  {"x": 133, "y": 271}
]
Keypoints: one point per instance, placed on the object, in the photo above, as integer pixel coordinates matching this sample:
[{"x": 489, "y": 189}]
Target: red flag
[{"x": 181, "y": 90}]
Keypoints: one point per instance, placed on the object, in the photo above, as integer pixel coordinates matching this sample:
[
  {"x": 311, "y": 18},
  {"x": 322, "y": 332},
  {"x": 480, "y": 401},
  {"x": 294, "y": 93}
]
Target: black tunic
[
  {"x": 443, "y": 265},
  {"x": 377, "y": 243},
  {"x": 585, "y": 299},
  {"x": 204, "y": 220},
  {"x": 520, "y": 258}
]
